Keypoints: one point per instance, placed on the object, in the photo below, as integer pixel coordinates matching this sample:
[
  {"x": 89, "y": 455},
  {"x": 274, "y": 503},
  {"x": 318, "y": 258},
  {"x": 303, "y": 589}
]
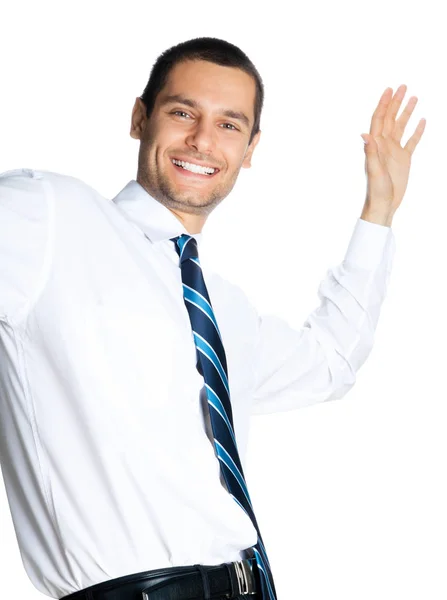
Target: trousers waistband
[{"x": 230, "y": 580}]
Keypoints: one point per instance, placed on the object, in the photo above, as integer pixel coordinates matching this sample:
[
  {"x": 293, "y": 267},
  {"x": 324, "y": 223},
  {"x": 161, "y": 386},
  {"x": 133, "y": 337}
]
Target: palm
[{"x": 387, "y": 163}]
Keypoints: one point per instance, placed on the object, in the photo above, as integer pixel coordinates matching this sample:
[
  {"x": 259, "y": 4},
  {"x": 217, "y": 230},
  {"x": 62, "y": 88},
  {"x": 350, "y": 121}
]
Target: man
[{"x": 128, "y": 374}]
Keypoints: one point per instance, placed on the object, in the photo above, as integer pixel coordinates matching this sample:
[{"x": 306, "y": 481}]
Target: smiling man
[
  {"x": 128, "y": 373},
  {"x": 197, "y": 138}
]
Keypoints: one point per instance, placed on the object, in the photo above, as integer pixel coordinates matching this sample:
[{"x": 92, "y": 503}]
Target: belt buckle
[{"x": 243, "y": 570}]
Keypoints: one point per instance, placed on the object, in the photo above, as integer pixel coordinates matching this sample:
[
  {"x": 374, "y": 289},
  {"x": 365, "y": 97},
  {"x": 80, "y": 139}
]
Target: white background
[{"x": 350, "y": 495}]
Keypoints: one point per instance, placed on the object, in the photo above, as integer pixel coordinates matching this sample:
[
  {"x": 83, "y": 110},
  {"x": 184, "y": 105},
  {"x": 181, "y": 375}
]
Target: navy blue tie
[{"x": 212, "y": 365}]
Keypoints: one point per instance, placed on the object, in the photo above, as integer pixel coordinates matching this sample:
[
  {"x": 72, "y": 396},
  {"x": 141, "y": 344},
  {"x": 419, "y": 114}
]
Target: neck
[{"x": 192, "y": 223}]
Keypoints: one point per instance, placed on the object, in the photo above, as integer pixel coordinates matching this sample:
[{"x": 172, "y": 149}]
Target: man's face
[{"x": 203, "y": 116}]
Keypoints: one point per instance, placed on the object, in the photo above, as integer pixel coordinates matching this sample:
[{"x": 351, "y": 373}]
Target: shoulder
[
  {"x": 25, "y": 179},
  {"x": 18, "y": 179},
  {"x": 33, "y": 193},
  {"x": 22, "y": 197}
]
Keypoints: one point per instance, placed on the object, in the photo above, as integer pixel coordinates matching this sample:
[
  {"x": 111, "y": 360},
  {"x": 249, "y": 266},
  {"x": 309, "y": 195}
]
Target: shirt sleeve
[
  {"x": 319, "y": 362},
  {"x": 23, "y": 240}
]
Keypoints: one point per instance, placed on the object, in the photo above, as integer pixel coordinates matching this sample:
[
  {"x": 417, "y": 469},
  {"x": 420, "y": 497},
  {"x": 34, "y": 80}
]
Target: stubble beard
[{"x": 159, "y": 186}]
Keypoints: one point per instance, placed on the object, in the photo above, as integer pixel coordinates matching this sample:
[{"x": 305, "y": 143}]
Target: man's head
[{"x": 202, "y": 106}]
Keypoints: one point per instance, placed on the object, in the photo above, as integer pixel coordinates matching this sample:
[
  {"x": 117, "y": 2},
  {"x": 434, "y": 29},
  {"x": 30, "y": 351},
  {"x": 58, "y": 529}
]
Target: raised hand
[{"x": 387, "y": 163}]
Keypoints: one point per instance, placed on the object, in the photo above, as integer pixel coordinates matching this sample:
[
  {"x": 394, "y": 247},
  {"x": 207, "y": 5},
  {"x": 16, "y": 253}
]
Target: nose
[{"x": 202, "y": 137}]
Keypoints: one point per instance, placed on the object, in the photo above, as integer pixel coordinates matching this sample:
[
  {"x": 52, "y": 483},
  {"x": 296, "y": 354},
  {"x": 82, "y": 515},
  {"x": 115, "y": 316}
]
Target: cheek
[
  {"x": 235, "y": 153},
  {"x": 236, "y": 163},
  {"x": 168, "y": 144}
]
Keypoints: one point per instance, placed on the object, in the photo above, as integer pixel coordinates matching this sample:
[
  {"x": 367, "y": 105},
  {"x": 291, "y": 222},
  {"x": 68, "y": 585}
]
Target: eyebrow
[{"x": 232, "y": 114}]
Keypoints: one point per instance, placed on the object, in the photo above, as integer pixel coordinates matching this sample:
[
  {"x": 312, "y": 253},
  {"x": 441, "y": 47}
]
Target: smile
[{"x": 193, "y": 168}]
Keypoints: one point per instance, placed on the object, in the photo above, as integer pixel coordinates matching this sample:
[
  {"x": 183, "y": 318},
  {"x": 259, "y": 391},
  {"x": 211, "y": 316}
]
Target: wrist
[{"x": 377, "y": 216}]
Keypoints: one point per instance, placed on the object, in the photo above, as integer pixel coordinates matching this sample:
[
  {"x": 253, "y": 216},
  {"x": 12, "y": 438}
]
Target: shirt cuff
[{"x": 368, "y": 244}]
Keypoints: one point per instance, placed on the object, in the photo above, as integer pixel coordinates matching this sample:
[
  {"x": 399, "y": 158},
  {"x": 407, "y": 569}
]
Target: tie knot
[{"x": 186, "y": 247}]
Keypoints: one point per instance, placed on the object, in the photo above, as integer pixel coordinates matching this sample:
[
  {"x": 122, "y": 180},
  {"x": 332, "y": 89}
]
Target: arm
[
  {"x": 23, "y": 241},
  {"x": 319, "y": 362}
]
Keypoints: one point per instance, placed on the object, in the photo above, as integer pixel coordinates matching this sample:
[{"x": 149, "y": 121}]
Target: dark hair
[{"x": 212, "y": 50}]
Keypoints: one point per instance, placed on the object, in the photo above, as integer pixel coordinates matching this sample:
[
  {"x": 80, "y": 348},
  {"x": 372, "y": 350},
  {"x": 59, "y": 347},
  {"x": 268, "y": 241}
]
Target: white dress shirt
[{"x": 104, "y": 441}]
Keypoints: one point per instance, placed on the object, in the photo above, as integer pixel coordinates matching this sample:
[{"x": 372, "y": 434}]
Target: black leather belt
[{"x": 227, "y": 580}]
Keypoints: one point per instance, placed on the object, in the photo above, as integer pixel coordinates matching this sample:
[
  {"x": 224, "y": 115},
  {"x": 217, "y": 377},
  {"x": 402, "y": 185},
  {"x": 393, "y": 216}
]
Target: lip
[
  {"x": 195, "y": 162},
  {"x": 188, "y": 175}
]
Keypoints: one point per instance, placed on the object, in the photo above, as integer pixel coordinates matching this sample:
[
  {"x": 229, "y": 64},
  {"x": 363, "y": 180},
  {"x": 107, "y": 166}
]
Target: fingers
[
  {"x": 410, "y": 146},
  {"x": 383, "y": 122},
  {"x": 378, "y": 118},
  {"x": 402, "y": 121},
  {"x": 393, "y": 109}
]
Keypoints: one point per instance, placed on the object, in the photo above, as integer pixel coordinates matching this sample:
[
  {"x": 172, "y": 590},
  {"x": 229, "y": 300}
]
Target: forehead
[{"x": 213, "y": 86}]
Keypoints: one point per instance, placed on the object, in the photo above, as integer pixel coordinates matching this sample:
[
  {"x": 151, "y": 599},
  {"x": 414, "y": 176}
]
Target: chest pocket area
[
  {"x": 143, "y": 348},
  {"x": 142, "y": 341}
]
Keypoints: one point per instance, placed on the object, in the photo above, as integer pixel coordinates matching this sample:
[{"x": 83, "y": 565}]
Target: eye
[
  {"x": 231, "y": 125},
  {"x": 179, "y": 111},
  {"x": 228, "y": 126}
]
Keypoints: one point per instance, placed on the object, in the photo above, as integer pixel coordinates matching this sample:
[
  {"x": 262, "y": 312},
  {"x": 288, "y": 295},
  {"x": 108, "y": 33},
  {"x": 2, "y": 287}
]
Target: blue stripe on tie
[
  {"x": 209, "y": 352},
  {"x": 215, "y": 402},
  {"x": 182, "y": 243},
  {"x": 193, "y": 277},
  {"x": 229, "y": 462},
  {"x": 195, "y": 298}
]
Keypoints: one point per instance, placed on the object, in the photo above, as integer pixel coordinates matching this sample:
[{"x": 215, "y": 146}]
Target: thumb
[{"x": 371, "y": 151}]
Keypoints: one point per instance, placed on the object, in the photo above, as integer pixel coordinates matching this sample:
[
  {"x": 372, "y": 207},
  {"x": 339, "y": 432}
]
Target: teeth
[{"x": 194, "y": 168}]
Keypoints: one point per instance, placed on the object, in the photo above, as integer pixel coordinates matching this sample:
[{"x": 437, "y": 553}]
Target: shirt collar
[{"x": 152, "y": 217}]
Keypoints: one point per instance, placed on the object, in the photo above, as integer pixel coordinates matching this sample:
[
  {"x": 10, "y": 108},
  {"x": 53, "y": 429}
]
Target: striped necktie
[{"x": 212, "y": 365}]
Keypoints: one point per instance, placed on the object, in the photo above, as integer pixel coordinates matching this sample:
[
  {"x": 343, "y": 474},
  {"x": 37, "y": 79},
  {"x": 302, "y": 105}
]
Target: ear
[
  {"x": 247, "y": 159},
  {"x": 138, "y": 120}
]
